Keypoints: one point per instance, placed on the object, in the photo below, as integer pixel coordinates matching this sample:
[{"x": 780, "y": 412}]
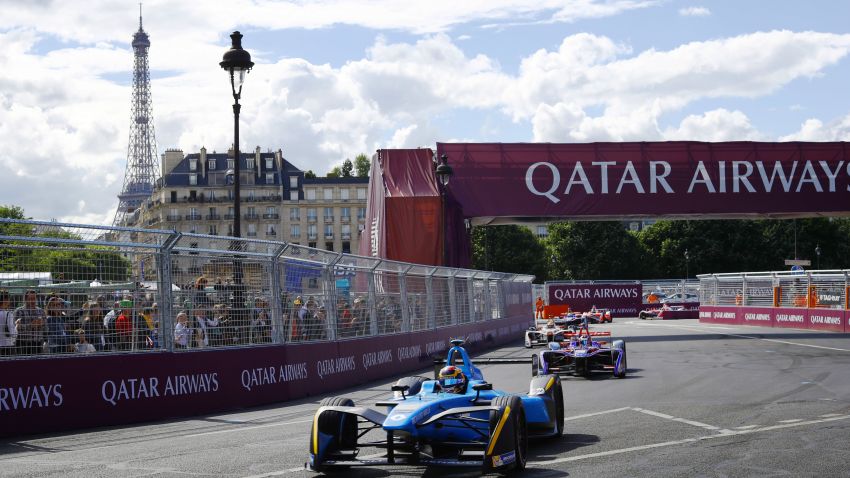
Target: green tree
[
  {"x": 362, "y": 165},
  {"x": 593, "y": 251},
  {"x": 512, "y": 249},
  {"x": 309, "y": 174},
  {"x": 336, "y": 172},
  {"x": 347, "y": 166}
]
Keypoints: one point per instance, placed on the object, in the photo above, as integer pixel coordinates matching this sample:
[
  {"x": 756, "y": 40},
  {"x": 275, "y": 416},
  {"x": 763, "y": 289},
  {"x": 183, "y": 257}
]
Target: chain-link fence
[
  {"x": 815, "y": 289},
  {"x": 70, "y": 288}
]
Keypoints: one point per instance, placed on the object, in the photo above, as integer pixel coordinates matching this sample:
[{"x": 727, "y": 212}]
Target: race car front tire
[
  {"x": 341, "y": 426},
  {"x": 535, "y": 365},
  {"x": 516, "y": 439},
  {"x": 620, "y": 372}
]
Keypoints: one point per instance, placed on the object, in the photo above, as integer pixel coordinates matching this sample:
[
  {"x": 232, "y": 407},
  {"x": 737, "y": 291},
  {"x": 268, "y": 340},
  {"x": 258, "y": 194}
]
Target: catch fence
[
  {"x": 76, "y": 288},
  {"x": 822, "y": 289}
]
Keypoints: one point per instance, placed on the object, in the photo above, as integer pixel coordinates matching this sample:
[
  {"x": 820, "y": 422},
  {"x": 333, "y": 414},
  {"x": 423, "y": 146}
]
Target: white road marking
[
  {"x": 681, "y": 420},
  {"x": 242, "y": 429},
  {"x": 576, "y": 417},
  {"x": 538, "y": 464},
  {"x": 746, "y": 427},
  {"x": 830, "y": 415},
  {"x": 793, "y": 420}
]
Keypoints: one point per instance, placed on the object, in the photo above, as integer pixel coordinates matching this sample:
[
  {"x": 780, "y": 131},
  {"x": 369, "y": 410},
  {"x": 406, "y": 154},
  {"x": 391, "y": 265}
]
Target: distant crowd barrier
[
  {"x": 106, "y": 326},
  {"x": 816, "y": 300}
]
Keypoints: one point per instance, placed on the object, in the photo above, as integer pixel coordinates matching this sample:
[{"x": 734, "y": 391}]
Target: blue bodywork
[{"x": 433, "y": 427}]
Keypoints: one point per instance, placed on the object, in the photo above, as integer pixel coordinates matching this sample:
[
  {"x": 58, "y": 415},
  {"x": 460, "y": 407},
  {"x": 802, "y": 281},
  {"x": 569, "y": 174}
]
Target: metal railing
[
  {"x": 822, "y": 289},
  {"x": 93, "y": 289}
]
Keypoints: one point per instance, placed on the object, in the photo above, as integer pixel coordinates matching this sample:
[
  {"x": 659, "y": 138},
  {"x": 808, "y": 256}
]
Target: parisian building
[{"x": 278, "y": 203}]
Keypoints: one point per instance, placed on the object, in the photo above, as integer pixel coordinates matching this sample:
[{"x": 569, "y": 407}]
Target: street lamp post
[
  {"x": 687, "y": 264},
  {"x": 444, "y": 173},
  {"x": 237, "y": 63},
  {"x": 817, "y": 253}
]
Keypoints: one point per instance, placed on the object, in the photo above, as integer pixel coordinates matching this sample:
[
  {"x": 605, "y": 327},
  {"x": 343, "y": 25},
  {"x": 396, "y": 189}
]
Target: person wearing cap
[
  {"x": 8, "y": 331},
  {"x": 124, "y": 325},
  {"x": 30, "y": 323}
]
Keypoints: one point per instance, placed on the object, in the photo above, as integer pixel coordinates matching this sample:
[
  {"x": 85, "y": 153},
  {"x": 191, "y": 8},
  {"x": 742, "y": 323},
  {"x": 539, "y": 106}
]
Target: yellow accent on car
[
  {"x": 551, "y": 382},
  {"x": 499, "y": 429},
  {"x": 316, "y": 432}
]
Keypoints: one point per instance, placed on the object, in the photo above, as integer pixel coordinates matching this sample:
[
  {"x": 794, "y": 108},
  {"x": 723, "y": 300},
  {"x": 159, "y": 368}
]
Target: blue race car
[{"x": 451, "y": 421}]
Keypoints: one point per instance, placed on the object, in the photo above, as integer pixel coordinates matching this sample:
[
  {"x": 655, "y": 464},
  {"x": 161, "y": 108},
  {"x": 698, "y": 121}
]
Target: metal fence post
[
  {"x": 470, "y": 297},
  {"x": 329, "y": 291},
  {"x": 402, "y": 289},
  {"x": 371, "y": 302},
  {"x": 744, "y": 298},
  {"x": 278, "y": 322},
  {"x": 430, "y": 308},
  {"x": 488, "y": 309},
  {"x": 453, "y": 297},
  {"x": 166, "y": 304}
]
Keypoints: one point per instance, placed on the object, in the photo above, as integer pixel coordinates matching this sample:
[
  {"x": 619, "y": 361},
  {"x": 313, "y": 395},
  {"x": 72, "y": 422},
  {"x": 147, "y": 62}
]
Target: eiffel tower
[{"x": 141, "y": 172}]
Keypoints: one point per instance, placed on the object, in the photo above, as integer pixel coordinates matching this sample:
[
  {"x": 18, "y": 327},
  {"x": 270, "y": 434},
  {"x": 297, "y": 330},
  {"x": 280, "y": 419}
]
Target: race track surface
[{"x": 699, "y": 400}]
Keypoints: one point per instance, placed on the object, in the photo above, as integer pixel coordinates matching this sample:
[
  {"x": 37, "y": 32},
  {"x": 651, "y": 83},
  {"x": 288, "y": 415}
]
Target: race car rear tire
[
  {"x": 415, "y": 384},
  {"x": 535, "y": 365},
  {"x": 518, "y": 438},
  {"x": 342, "y": 425},
  {"x": 559, "y": 407}
]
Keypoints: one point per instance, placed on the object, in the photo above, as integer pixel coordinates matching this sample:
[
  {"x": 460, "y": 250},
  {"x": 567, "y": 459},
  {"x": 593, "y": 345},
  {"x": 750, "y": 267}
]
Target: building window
[
  {"x": 295, "y": 230},
  {"x": 293, "y": 182},
  {"x": 269, "y": 163},
  {"x": 346, "y": 247},
  {"x": 193, "y": 180},
  {"x": 269, "y": 178},
  {"x": 249, "y": 163},
  {"x": 345, "y": 214},
  {"x": 329, "y": 194},
  {"x": 312, "y": 231},
  {"x": 193, "y": 213},
  {"x": 193, "y": 165},
  {"x": 361, "y": 194},
  {"x": 311, "y": 214},
  {"x": 230, "y": 164},
  {"x": 346, "y": 231},
  {"x": 542, "y": 231},
  {"x": 252, "y": 230},
  {"x": 361, "y": 213},
  {"x": 211, "y": 196},
  {"x": 251, "y": 195},
  {"x": 293, "y": 195},
  {"x": 213, "y": 231},
  {"x": 230, "y": 229},
  {"x": 311, "y": 244},
  {"x": 329, "y": 231},
  {"x": 173, "y": 196},
  {"x": 311, "y": 194},
  {"x": 344, "y": 193},
  {"x": 211, "y": 164},
  {"x": 271, "y": 212},
  {"x": 329, "y": 246},
  {"x": 294, "y": 214},
  {"x": 270, "y": 230},
  {"x": 329, "y": 214}
]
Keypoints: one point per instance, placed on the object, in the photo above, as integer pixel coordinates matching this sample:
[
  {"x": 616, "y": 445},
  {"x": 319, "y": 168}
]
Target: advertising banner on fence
[
  {"x": 650, "y": 179},
  {"x": 40, "y": 395},
  {"x": 833, "y": 320},
  {"x": 621, "y": 299}
]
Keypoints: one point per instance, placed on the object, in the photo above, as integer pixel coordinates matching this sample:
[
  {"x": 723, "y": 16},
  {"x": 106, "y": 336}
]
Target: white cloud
[
  {"x": 715, "y": 125},
  {"x": 694, "y": 12},
  {"x": 815, "y": 130}
]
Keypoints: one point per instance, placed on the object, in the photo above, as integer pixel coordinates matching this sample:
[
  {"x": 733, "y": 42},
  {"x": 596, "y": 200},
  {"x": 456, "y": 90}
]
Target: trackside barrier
[
  {"x": 815, "y": 300},
  {"x": 124, "y": 325}
]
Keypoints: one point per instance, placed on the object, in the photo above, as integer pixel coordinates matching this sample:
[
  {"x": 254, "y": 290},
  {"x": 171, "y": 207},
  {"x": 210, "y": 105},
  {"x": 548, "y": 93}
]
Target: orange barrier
[{"x": 553, "y": 311}]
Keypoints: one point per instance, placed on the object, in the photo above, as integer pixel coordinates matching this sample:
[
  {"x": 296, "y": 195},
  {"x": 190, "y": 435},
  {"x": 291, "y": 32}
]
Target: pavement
[{"x": 699, "y": 400}]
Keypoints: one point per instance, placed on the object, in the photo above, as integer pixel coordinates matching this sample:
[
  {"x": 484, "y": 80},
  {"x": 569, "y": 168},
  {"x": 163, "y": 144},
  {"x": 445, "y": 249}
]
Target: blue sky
[{"x": 335, "y": 78}]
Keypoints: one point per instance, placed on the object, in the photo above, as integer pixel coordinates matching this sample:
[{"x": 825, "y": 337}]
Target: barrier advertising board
[
  {"x": 621, "y": 299},
  {"x": 96, "y": 390},
  {"x": 834, "y": 320}
]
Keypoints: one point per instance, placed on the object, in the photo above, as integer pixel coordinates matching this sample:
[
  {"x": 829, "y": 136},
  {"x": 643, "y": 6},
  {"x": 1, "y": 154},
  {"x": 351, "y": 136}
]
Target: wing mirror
[
  {"x": 478, "y": 387},
  {"x": 401, "y": 389}
]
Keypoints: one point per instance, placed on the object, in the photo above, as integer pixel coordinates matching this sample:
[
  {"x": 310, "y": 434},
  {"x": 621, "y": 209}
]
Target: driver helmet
[{"x": 452, "y": 380}]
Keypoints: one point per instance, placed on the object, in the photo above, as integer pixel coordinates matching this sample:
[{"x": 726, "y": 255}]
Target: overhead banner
[
  {"x": 621, "y": 299},
  {"x": 680, "y": 179}
]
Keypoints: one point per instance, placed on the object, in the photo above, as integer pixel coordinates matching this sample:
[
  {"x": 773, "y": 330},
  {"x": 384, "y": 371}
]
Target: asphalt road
[{"x": 699, "y": 400}]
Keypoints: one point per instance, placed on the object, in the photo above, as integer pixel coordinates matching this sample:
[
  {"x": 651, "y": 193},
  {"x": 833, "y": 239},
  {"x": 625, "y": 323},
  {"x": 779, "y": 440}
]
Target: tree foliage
[
  {"x": 513, "y": 249},
  {"x": 70, "y": 262},
  {"x": 362, "y": 165},
  {"x": 593, "y": 251},
  {"x": 309, "y": 174}
]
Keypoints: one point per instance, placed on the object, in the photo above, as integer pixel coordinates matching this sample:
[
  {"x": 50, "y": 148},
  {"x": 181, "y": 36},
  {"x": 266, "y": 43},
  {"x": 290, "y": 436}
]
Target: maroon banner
[
  {"x": 834, "y": 320},
  {"x": 720, "y": 315},
  {"x": 621, "y": 299},
  {"x": 685, "y": 179},
  {"x": 826, "y": 319},
  {"x": 760, "y": 316},
  {"x": 794, "y": 318},
  {"x": 39, "y": 395}
]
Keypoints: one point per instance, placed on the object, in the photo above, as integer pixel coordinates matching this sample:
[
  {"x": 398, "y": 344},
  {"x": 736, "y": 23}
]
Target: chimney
[{"x": 170, "y": 160}]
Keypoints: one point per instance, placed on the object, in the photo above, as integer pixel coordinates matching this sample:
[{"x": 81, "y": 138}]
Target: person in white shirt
[
  {"x": 182, "y": 331},
  {"x": 83, "y": 346},
  {"x": 8, "y": 331}
]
